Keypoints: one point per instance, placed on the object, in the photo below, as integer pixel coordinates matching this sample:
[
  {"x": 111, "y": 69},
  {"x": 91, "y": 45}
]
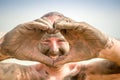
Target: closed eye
[
  {"x": 46, "y": 41},
  {"x": 61, "y": 40}
]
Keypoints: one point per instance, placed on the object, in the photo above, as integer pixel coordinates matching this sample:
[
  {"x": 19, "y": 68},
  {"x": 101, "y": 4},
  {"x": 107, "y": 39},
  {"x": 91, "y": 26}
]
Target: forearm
[
  {"x": 102, "y": 66},
  {"x": 111, "y": 51},
  {"x": 10, "y": 71}
]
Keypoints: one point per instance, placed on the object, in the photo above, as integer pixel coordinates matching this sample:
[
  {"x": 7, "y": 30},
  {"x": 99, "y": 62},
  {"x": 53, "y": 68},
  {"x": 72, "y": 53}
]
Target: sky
[{"x": 102, "y": 14}]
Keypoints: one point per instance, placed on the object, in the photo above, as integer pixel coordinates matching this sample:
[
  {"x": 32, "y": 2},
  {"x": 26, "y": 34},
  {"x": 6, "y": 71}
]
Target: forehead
[{"x": 56, "y": 35}]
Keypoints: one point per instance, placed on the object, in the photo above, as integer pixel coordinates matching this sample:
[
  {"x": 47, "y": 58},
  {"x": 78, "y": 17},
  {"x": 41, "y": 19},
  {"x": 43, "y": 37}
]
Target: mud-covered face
[{"x": 54, "y": 45}]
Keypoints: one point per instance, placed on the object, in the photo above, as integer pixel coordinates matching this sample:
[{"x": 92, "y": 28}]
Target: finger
[
  {"x": 45, "y": 60},
  {"x": 41, "y": 58},
  {"x": 45, "y": 21},
  {"x": 60, "y": 62},
  {"x": 70, "y": 25},
  {"x": 34, "y": 25}
]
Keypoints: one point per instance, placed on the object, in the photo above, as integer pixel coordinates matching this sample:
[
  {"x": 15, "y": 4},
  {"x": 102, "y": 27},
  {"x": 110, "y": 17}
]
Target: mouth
[
  {"x": 59, "y": 56},
  {"x": 54, "y": 57}
]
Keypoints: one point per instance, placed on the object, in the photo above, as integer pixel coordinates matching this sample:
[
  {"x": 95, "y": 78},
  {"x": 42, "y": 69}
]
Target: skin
[
  {"x": 20, "y": 37},
  {"x": 55, "y": 41},
  {"x": 86, "y": 70},
  {"x": 88, "y": 43},
  {"x": 82, "y": 45}
]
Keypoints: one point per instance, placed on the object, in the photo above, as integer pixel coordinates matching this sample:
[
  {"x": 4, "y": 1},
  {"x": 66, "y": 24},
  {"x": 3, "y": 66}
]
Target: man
[{"x": 59, "y": 44}]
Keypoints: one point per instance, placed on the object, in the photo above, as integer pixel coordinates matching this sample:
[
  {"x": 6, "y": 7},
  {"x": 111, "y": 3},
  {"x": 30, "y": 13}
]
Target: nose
[{"x": 54, "y": 48}]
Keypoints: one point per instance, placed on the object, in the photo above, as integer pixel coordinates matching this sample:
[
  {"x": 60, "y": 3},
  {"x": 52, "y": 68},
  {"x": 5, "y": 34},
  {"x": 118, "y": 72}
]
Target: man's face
[{"x": 54, "y": 45}]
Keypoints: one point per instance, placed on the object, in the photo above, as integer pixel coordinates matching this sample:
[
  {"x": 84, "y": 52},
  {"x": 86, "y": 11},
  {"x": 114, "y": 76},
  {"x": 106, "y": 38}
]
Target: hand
[
  {"x": 23, "y": 42},
  {"x": 85, "y": 41},
  {"x": 73, "y": 74}
]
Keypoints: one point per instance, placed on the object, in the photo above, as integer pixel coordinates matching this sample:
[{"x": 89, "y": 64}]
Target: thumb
[
  {"x": 74, "y": 72},
  {"x": 62, "y": 61}
]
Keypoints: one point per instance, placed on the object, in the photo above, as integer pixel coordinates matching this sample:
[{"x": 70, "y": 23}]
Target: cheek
[
  {"x": 43, "y": 48},
  {"x": 65, "y": 46}
]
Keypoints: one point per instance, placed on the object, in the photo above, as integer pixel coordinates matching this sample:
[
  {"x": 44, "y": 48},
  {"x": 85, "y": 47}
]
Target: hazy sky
[{"x": 102, "y": 14}]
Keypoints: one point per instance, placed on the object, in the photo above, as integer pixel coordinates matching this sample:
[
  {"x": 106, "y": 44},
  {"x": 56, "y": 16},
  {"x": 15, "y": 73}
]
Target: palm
[
  {"x": 85, "y": 41},
  {"x": 23, "y": 42}
]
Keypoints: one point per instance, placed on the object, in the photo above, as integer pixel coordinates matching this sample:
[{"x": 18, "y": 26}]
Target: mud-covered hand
[
  {"x": 85, "y": 41},
  {"x": 23, "y": 42}
]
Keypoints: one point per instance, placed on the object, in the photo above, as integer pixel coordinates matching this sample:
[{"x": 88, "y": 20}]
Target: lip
[{"x": 54, "y": 57}]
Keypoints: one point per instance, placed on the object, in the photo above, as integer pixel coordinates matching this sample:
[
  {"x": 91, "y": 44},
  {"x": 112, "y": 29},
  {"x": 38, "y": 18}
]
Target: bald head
[
  {"x": 52, "y": 14},
  {"x": 52, "y": 17}
]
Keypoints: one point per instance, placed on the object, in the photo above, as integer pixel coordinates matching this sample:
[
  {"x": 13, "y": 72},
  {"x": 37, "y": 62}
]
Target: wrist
[
  {"x": 111, "y": 50},
  {"x": 3, "y": 55},
  {"x": 108, "y": 48}
]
